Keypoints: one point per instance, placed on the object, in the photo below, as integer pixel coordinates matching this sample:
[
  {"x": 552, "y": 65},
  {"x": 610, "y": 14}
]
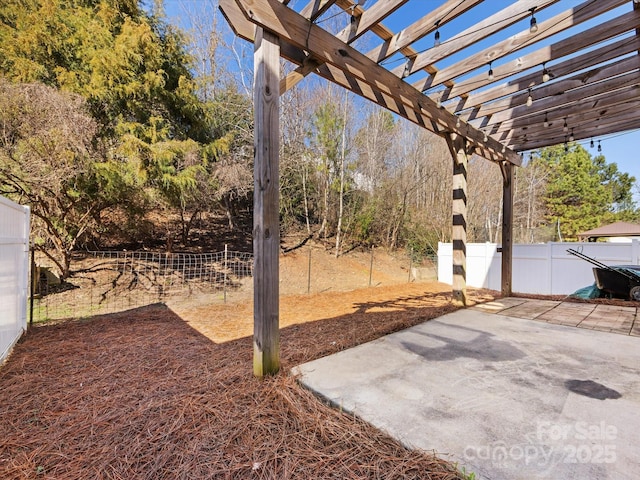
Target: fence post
[
  {"x": 309, "y": 274},
  {"x": 550, "y": 268},
  {"x": 32, "y": 286},
  {"x": 371, "y": 266},
  {"x": 224, "y": 269}
]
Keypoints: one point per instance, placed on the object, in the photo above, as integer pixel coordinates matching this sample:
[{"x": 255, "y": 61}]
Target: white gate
[{"x": 14, "y": 273}]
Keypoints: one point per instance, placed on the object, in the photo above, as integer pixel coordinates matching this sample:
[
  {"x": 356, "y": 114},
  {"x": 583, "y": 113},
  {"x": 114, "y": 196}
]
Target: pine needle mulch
[{"x": 142, "y": 395}]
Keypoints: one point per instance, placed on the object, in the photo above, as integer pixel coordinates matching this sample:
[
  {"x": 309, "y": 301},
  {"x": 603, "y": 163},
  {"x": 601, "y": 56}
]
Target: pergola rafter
[{"x": 578, "y": 77}]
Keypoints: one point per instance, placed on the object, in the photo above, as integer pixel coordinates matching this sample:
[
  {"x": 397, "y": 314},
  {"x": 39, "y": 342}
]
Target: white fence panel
[
  {"x": 14, "y": 273},
  {"x": 483, "y": 270},
  {"x": 545, "y": 269},
  {"x": 531, "y": 269}
]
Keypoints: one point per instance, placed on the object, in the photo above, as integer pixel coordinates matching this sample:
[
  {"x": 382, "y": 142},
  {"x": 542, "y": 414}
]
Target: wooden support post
[
  {"x": 457, "y": 147},
  {"x": 507, "y": 228},
  {"x": 266, "y": 227}
]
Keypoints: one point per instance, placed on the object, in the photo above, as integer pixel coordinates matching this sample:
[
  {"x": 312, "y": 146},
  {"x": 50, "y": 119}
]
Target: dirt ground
[
  {"x": 339, "y": 288},
  {"x": 161, "y": 392}
]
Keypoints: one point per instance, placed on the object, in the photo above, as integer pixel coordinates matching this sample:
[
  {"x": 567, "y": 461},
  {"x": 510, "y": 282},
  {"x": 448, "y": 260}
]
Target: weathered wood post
[
  {"x": 507, "y": 228},
  {"x": 457, "y": 147},
  {"x": 266, "y": 227}
]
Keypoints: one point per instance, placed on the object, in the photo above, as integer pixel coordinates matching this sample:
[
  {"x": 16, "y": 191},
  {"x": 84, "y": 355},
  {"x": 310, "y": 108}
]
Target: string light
[
  {"x": 529, "y": 99},
  {"x": 436, "y": 40},
  {"x": 591, "y": 144},
  {"x": 458, "y": 122},
  {"x": 571, "y": 137},
  {"x": 566, "y": 146},
  {"x": 533, "y": 24},
  {"x": 565, "y": 127},
  {"x": 599, "y": 147},
  {"x": 407, "y": 68},
  {"x": 546, "y": 121},
  {"x": 490, "y": 75},
  {"x": 545, "y": 73}
]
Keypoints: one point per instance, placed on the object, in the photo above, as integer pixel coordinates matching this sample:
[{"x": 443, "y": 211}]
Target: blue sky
[{"x": 619, "y": 148}]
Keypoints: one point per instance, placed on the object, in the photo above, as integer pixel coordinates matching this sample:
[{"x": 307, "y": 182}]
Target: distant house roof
[{"x": 618, "y": 229}]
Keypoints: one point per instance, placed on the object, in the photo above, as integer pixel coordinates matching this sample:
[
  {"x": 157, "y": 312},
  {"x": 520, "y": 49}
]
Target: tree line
[{"x": 112, "y": 118}]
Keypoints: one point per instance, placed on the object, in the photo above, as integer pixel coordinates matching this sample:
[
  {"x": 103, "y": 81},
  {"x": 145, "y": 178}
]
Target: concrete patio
[{"x": 506, "y": 389}]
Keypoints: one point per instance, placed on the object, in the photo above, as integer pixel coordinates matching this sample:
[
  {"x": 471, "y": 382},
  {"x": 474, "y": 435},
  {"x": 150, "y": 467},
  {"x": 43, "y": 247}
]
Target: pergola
[{"x": 577, "y": 77}]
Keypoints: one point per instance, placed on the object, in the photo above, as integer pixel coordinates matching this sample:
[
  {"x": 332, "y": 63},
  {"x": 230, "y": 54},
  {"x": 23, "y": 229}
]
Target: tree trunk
[
  {"x": 306, "y": 199},
  {"x": 228, "y": 207},
  {"x": 342, "y": 159}
]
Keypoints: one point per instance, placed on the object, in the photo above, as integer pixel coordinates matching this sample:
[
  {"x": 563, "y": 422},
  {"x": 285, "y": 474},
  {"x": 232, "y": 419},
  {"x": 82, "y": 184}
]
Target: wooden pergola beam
[
  {"x": 572, "y": 65},
  {"x": 553, "y": 90},
  {"x": 483, "y": 29},
  {"x": 458, "y": 149},
  {"x": 266, "y": 201},
  {"x": 568, "y": 19},
  {"x": 359, "y": 26},
  {"x": 272, "y": 15},
  {"x": 316, "y": 8},
  {"x": 424, "y": 26},
  {"x": 507, "y": 229},
  {"x": 586, "y": 123},
  {"x": 607, "y": 128},
  {"x": 563, "y": 48},
  {"x": 561, "y": 98},
  {"x": 593, "y": 98}
]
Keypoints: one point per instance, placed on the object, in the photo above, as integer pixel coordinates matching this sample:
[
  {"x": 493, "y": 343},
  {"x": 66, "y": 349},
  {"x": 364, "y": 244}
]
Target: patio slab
[
  {"x": 610, "y": 318},
  {"x": 506, "y": 398},
  {"x": 566, "y": 313},
  {"x": 530, "y": 309},
  {"x": 499, "y": 305}
]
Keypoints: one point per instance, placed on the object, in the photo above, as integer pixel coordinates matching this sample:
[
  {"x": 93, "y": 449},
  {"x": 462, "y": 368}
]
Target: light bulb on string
[
  {"x": 545, "y": 74},
  {"x": 565, "y": 127},
  {"x": 490, "y": 74},
  {"x": 533, "y": 23},
  {"x": 436, "y": 38},
  {"x": 599, "y": 147},
  {"x": 571, "y": 137},
  {"x": 545, "y": 124},
  {"x": 591, "y": 144},
  {"x": 529, "y": 99}
]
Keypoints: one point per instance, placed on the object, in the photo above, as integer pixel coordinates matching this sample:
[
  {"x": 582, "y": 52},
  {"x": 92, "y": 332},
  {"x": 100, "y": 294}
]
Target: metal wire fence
[
  {"x": 112, "y": 281},
  {"x": 107, "y": 282}
]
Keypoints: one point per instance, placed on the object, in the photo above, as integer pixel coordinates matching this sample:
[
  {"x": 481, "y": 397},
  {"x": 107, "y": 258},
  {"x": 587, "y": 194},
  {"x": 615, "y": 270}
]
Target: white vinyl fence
[
  {"x": 14, "y": 273},
  {"x": 545, "y": 269}
]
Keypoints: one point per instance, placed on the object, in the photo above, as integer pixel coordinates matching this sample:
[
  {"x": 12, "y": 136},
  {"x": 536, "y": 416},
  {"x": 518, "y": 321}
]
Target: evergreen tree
[
  {"x": 134, "y": 72},
  {"x": 583, "y": 192}
]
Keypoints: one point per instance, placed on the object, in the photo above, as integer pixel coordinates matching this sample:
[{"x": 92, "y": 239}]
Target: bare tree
[
  {"x": 529, "y": 209},
  {"x": 48, "y": 160},
  {"x": 485, "y": 201}
]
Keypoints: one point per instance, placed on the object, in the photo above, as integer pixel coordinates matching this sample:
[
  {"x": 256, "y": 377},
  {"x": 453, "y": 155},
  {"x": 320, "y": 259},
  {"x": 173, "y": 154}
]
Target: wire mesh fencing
[
  {"x": 107, "y": 282},
  {"x": 112, "y": 281}
]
